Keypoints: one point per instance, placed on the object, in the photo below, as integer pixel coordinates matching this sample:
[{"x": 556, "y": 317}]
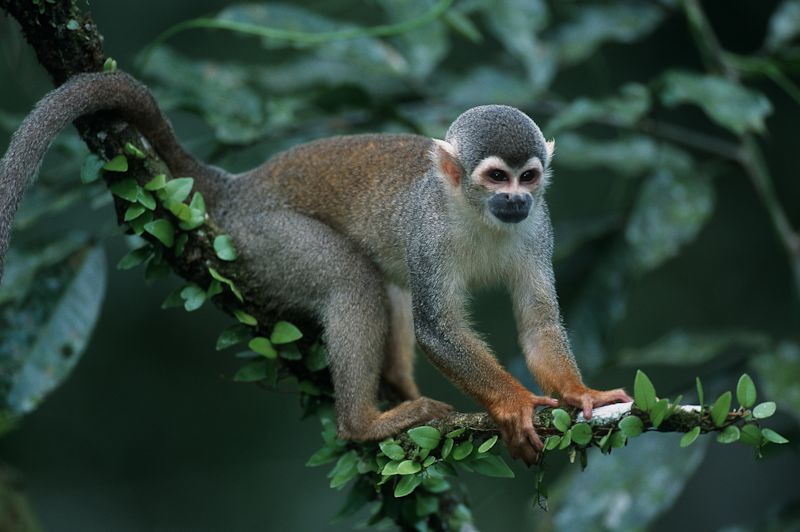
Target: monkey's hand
[
  {"x": 587, "y": 398},
  {"x": 514, "y": 417}
]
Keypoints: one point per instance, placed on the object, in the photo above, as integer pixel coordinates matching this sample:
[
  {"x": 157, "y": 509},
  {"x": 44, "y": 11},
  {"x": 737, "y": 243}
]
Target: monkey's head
[{"x": 498, "y": 158}]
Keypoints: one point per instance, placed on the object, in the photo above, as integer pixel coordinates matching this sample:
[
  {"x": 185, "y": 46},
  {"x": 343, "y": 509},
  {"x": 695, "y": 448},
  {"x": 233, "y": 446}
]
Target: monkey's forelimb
[{"x": 81, "y": 95}]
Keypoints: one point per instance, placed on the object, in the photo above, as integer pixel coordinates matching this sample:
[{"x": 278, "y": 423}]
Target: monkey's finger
[
  {"x": 545, "y": 401},
  {"x": 612, "y": 396},
  {"x": 534, "y": 439},
  {"x": 587, "y": 403}
]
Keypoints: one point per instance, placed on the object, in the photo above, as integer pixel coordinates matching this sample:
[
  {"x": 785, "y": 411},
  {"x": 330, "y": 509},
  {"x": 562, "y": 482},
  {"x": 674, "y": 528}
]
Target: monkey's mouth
[{"x": 511, "y": 216}]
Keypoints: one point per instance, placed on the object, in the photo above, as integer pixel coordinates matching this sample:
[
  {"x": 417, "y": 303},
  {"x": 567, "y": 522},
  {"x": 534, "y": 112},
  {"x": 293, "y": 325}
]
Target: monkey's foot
[
  {"x": 401, "y": 417},
  {"x": 586, "y": 399}
]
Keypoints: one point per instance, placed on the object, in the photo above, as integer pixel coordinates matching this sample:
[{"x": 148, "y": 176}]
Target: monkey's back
[{"x": 355, "y": 184}]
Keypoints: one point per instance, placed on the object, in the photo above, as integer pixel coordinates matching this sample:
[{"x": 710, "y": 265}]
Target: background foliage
[{"x": 673, "y": 202}]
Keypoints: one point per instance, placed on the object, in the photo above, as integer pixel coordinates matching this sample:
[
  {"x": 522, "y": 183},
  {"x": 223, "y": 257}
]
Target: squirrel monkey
[{"x": 380, "y": 238}]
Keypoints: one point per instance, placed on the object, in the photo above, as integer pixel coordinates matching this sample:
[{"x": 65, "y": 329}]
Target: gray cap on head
[{"x": 497, "y": 130}]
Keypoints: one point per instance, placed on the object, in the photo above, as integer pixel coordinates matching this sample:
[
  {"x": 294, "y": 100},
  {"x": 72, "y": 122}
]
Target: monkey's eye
[
  {"x": 498, "y": 175},
  {"x": 528, "y": 176}
]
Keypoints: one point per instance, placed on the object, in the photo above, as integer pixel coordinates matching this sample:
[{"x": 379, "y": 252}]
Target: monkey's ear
[
  {"x": 550, "y": 147},
  {"x": 446, "y": 159}
]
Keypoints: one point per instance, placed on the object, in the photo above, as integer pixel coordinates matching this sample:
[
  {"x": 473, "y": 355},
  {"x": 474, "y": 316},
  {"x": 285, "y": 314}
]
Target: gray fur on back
[{"x": 498, "y": 130}]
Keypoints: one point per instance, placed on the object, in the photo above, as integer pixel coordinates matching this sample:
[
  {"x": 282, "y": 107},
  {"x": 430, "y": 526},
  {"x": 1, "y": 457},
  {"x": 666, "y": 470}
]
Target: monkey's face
[{"x": 504, "y": 192}]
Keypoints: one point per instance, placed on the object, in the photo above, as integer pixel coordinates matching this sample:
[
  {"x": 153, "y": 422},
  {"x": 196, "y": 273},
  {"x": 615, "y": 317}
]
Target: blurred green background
[{"x": 667, "y": 259}]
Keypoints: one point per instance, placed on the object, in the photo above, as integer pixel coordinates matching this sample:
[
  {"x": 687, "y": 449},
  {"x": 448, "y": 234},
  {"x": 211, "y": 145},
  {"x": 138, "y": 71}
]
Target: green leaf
[
  {"x": 428, "y": 461},
  {"x": 137, "y": 224},
  {"x": 157, "y": 183},
  {"x": 73, "y": 24},
  {"x": 689, "y": 437},
  {"x": 566, "y": 440},
  {"x": 214, "y": 287},
  {"x": 233, "y": 335},
  {"x": 224, "y": 280},
  {"x": 245, "y": 318},
  {"x": 746, "y": 391},
  {"x": 552, "y": 442},
  {"x": 193, "y": 297},
  {"x": 407, "y": 485},
  {"x": 135, "y": 258},
  {"x": 720, "y": 409},
  {"x": 659, "y": 413},
  {"x": 133, "y": 150},
  {"x": 462, "y": 450},
  {"x": 426, "y": 437},
  {"x": 317, "y": 358},
  {"x": 487, "y": 445},
  {"x": 173, "y": 300},
  {"x": 447, "y": 447},
  {"x": 434, "y": 484},
  {"x": 110, "y": 65},
  {"x": 561, "y": 420},
  {"x": 729, "y": 434},
  {"x": 117, "y": 164},
  {"x": 624, "y": 110},
  {"x": 726, "y": 102},
  {"x": 699, "y": 386},
  {"x": 772, "y": 436},
  {"x": 644, "y": 392},
  {"x": 90, "y": 169},
  {"x": 145, "y": 199},
  {"x": 45, "y": 333},
  {"x": 126, "y": 189},
  {"x": 284, "y": 333},
  {"x": 163, "y": 230},
  {"x": 133, "y": 212},
  {"x": 392, "y": 450},
  {"x": 631, "y": 426},
  {"x": 764, "y": 410},
  {"x": 290, "y": 352},
  {"x": 582, "y": 433},
  {"x": 455, "y": 433},
  {"x": 344, "y": 470},
  {"x": 263, "y": 347},
  {"x": 751, "y": 435},
  {"x": 176, "y": 190},
  {"x": 669, "y": 213},
  {"x": 323, "y": 456},
  {"x": 252, "y": 372},
  {"x": 390, "y": 469},
  {"x": 223, "y": 246},
  {"x": 408, "y": 467},
  {"x": 617, "y": 439},
  {"x": 491, "y": 465}
]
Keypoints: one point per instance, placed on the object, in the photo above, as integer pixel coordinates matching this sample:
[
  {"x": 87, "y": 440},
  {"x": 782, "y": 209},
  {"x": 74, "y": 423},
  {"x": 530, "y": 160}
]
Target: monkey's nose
[{"x": 518, "y": 201}]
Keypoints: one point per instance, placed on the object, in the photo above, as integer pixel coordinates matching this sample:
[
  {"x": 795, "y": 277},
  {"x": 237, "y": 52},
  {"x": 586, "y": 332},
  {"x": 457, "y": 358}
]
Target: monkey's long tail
[{"x": 81, "y": 95}]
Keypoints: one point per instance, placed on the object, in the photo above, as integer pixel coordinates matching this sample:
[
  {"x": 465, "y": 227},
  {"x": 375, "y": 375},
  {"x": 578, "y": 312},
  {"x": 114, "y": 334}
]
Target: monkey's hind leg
[
  {"x": 308, "y": 266},
  {"x": 356, "y": 322},
  {"x": 398, "y": 367}
]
